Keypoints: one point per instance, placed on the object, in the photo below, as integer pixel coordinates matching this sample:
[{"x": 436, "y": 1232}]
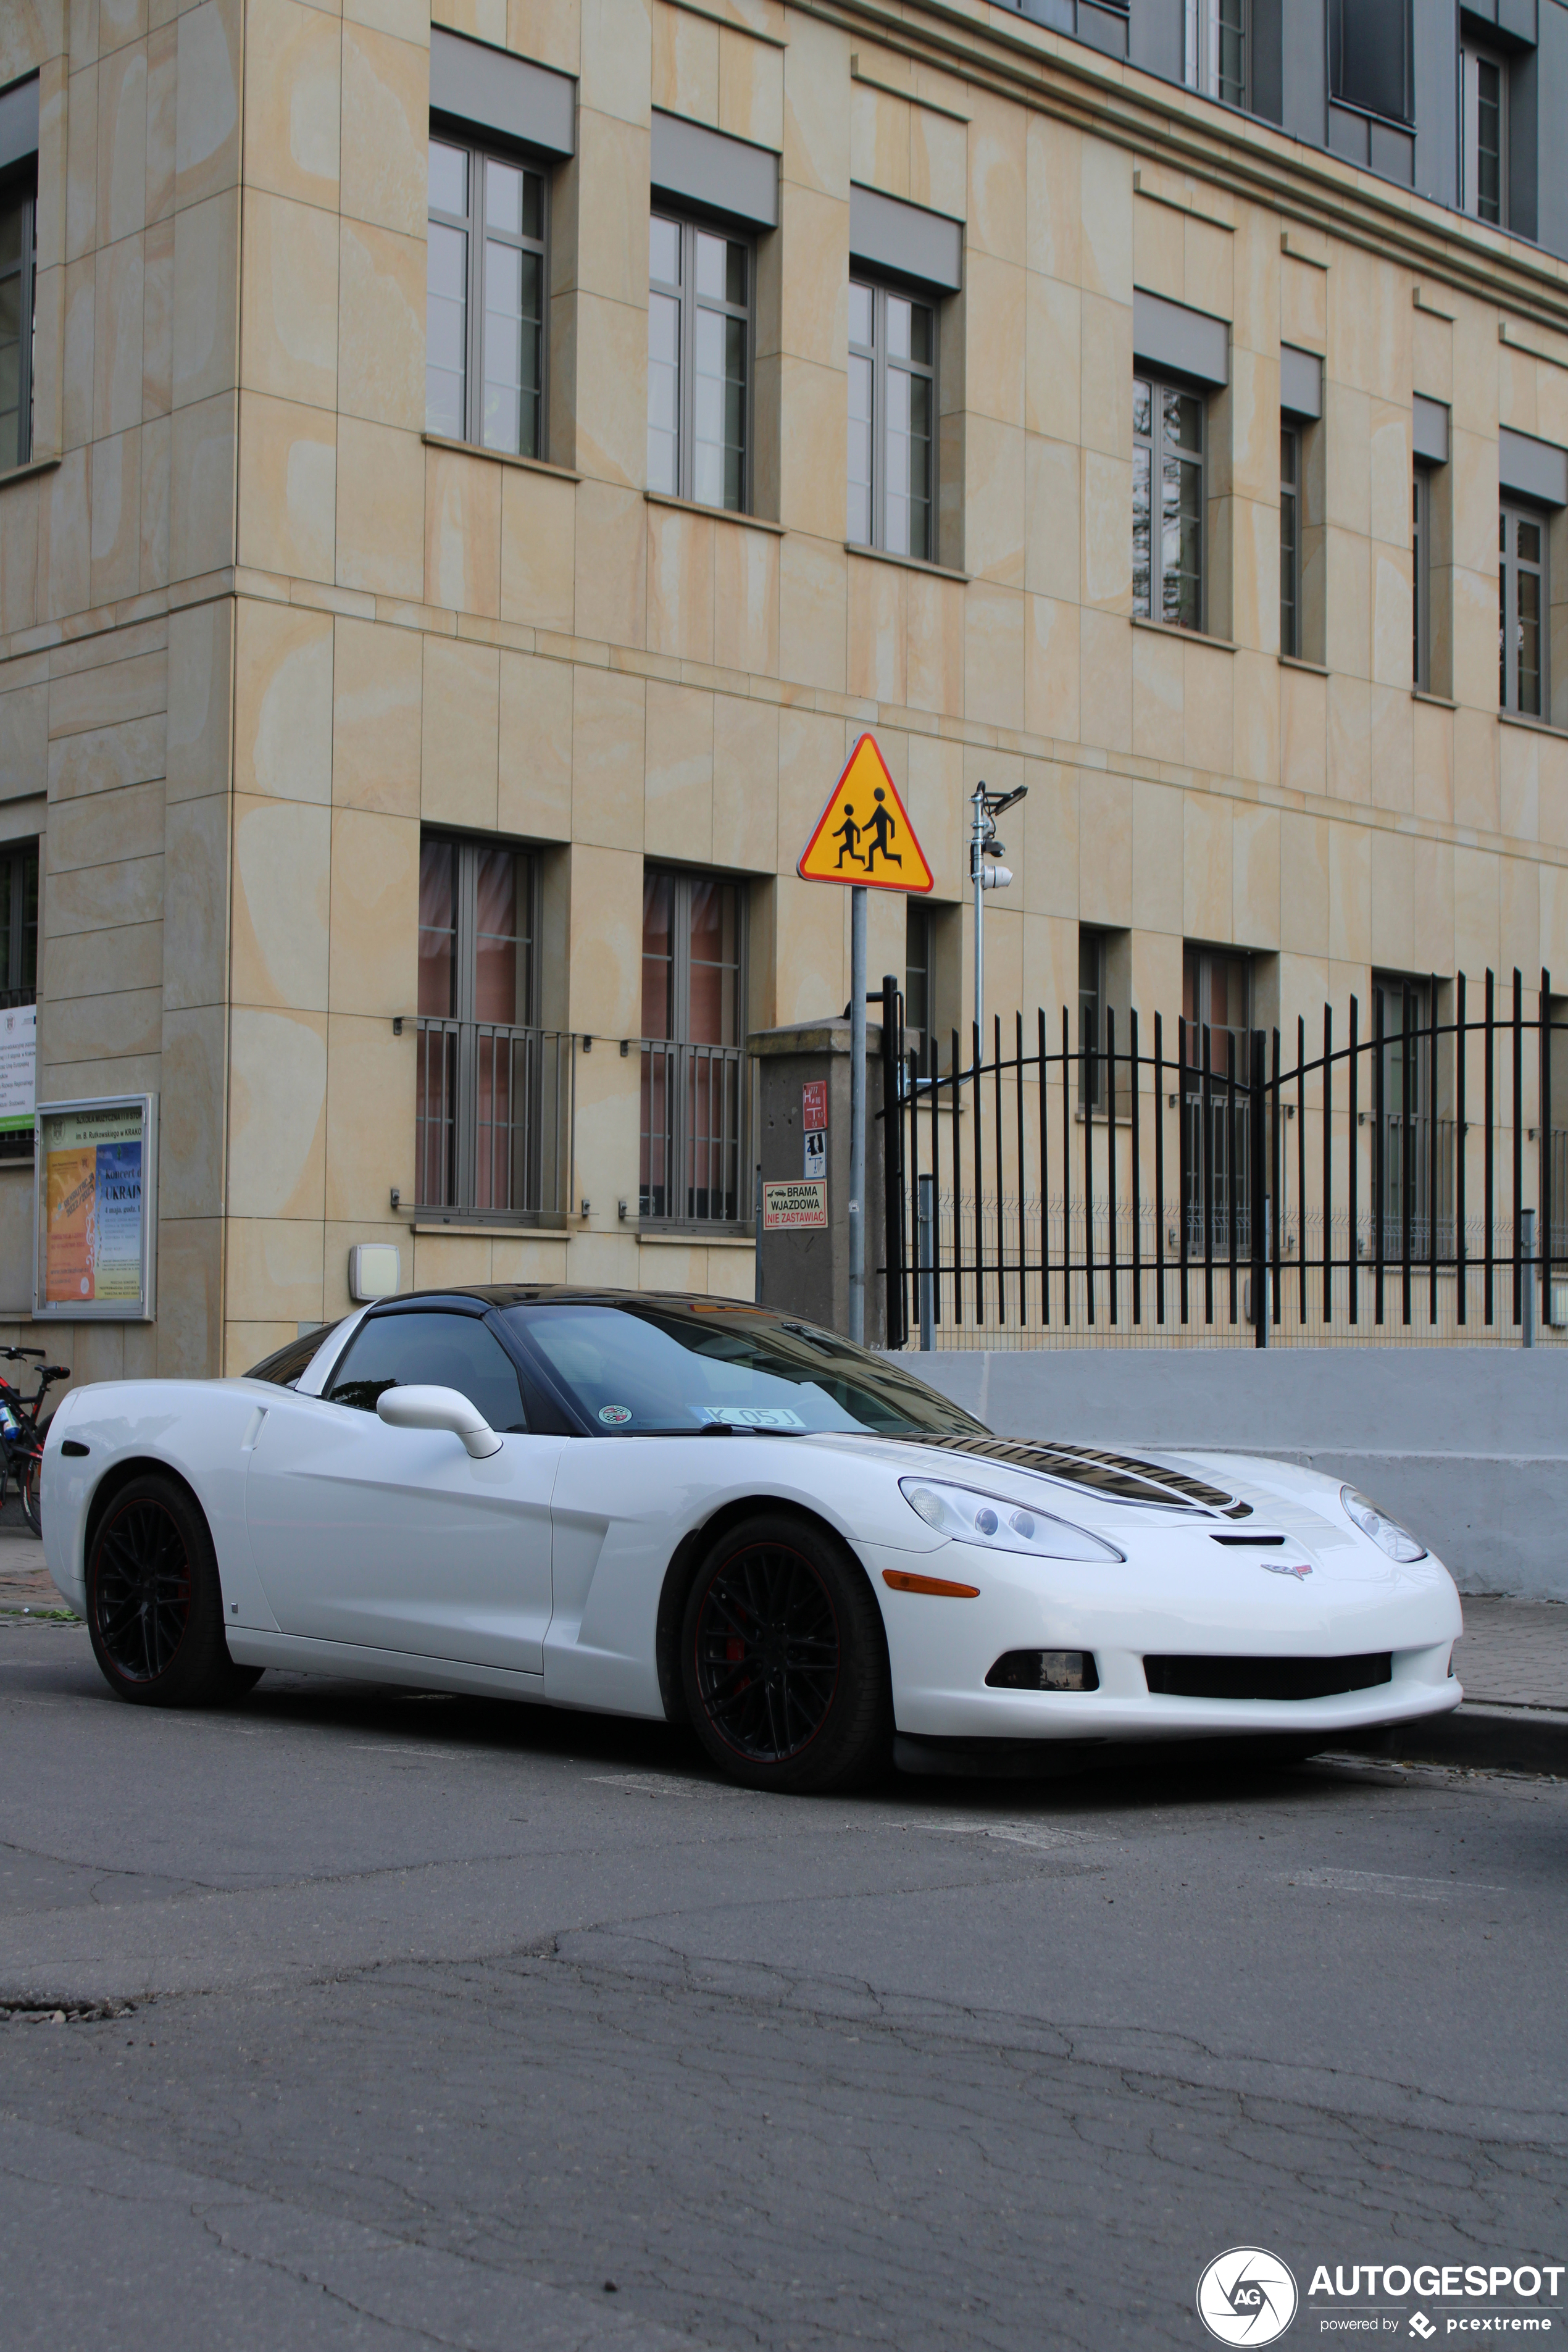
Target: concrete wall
[{"x": 1467, "y": 1445}]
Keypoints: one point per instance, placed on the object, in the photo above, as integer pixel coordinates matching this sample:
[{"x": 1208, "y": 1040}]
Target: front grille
[{"x": 1287, "y": 1678}]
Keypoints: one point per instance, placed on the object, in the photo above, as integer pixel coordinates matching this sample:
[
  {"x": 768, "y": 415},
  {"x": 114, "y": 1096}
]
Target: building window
[
  {"x": 1091, "y": 1016},
  {"x": 892, "y": 421},
  {"x": 692, "y": 1167},
  {"x": 1402, "y": 1016},
  {"x": 18, "y": 958},
  {"x": 1217, "y": 48},
  {"x": 1370, "y": 56},
  {"x": 1521, "y": 609},
  {"x": 1421, "y": 578},
  {"x": 490, "y": 1084},
  {"x": 19, "y": 924},
  {"x": 1290, "y": 540},
  {"x": 485, "y": 300},
  {"x": 699, "y": 364},
  {"x": 1217, "y": 998},
  {"x": 921, "y": 1015},
  {"x": 17, "y": 258},
  {"x": 1167, "y": 503},
  {"x": 1484, "y": 114}
]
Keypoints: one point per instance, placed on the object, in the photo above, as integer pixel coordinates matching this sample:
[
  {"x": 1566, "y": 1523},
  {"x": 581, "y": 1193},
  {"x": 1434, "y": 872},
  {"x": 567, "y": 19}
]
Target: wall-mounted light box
[{"x": 374, "y": 1271}]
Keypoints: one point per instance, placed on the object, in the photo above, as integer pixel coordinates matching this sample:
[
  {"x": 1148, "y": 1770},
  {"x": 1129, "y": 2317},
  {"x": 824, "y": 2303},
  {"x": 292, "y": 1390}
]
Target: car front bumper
[{"x": 941, "y": 1650}]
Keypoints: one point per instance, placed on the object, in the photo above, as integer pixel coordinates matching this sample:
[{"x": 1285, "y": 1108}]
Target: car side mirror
[{"x": 429, "y": 1408}]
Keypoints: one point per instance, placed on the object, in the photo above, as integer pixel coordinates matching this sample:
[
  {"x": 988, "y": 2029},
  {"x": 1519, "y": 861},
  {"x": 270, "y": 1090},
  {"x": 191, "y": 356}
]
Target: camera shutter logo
[{"x": 1246, "y": 2295}]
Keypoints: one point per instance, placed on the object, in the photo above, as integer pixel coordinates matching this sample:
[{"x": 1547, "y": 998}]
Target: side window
[
  {"x": 1168, "y": 503},
  {"x": 287, "y": 1363},
  {"x": 699, "y": 364},
  {"x": 17, "y": 270},
  {"x": 1523, "y": 602},
  {"x": 892, "y": 422},
  {"x": 435, "y": 1350},
  {"x": 485, "y": 300}
]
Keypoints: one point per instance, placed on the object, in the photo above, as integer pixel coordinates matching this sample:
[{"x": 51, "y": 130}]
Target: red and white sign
[
  {"x": 814, "y": 1104},
  {"x": 792, "y": 1203}
]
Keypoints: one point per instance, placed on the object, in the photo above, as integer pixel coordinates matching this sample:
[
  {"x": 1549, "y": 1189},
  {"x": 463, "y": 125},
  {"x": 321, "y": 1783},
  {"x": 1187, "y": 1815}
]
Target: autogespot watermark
[{"x": 1248, "y": 2296}]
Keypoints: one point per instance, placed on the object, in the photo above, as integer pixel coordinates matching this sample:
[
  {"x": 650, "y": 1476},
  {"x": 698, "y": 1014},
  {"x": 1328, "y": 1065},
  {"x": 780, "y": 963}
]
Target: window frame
[
  {"x": 1421, "y": 577},
  {"x": 692, "y": 224},
  {"x": 1154, "y": 444},
  {"x": 1512, "y": 513},
  {"x": 1473, "y": 57},
  {"x": 480, "y": 150},
  {"x": 882, "y": 287},
  {"x": 1092, "y": 945},
  {"x": 1341, "y": 94},
  {"x": 1203, "y": 49},
  {"x": 676, "y": 1050},
  {"x": 918, "y": 931},
  {"x": 463, "y": 1021},
  {"x": 1232, "y": 1192},
  {"x": 18, "y": 985},
  {"x": 20, "y": 187},
  {"x": 1390, "y": 991},
  {"x": 1291, "y": 486}
]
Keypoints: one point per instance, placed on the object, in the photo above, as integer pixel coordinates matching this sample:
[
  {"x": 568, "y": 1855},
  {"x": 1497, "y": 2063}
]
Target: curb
[{"x": 1486, "y": 1739}]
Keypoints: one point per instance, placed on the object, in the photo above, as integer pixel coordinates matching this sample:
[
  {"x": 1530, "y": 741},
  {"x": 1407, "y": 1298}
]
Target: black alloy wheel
[
  {"x": 767, "y": 1652},
  {"x": 142, "y": 1592},
  {"x": 154, "y": 1604},
  {"x": 785, "y": 1664}
]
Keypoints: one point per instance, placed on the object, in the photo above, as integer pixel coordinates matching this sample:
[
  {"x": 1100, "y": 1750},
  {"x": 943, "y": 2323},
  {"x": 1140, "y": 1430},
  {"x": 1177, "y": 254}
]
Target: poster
[
  {"x": 95, "y": 1163},
  {"x": 18, "y": 1064}
]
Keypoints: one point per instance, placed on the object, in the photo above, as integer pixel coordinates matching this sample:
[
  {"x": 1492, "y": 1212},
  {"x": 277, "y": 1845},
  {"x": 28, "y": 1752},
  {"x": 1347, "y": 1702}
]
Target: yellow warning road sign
[{"x": 864, "y": 834}]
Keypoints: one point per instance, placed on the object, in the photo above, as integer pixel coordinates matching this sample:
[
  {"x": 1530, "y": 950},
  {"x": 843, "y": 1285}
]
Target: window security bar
[{"x": 511, "y": 1159}]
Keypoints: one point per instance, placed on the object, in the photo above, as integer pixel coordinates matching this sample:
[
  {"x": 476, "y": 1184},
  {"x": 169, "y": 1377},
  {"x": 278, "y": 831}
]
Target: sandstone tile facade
[{"x": 257, "y": 629}]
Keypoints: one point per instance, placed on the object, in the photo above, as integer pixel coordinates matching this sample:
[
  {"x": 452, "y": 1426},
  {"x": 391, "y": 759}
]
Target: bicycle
[{"x": 21, "y": 1438}]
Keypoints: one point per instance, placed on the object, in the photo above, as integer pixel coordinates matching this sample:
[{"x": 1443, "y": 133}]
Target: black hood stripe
[{"x": 1121, "y": 1478}]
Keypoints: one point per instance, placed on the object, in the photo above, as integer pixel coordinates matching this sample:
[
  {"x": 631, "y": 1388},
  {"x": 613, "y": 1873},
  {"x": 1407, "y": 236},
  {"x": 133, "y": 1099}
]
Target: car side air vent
[{"x": 73, "y": 1447}]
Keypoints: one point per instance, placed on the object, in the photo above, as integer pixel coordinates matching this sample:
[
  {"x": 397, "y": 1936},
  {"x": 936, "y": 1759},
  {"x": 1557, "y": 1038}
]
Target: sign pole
[
  {"x": 857, "y": 1114},
  {"x": 983, "y": 829},
  {"x": 863, "y": 840}
]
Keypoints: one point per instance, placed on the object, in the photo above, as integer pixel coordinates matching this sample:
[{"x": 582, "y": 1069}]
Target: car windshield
[{"x": 634, "y": 1370}]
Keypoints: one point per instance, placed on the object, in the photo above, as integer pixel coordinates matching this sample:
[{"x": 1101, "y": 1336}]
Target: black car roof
[{"x": 559, "y": 1293}]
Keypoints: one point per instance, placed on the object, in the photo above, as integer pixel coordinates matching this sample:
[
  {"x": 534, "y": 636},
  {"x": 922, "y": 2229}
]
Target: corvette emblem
[{"x": 1296, "y": 1567}]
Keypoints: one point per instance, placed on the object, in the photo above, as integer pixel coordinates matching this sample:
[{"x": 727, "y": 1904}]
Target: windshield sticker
[
  {"x": 612, "y": 1415},
  {"x": 752, "y": 1416}
]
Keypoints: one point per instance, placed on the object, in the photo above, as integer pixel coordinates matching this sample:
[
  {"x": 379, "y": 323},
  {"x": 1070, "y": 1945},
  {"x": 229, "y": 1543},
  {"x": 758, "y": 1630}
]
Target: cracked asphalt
[{"x": 400, "y": 2020}]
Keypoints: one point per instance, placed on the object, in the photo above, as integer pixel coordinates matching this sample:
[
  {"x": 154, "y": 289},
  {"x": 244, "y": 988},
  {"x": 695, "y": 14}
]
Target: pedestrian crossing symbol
[{"x": 864, "y": 834}]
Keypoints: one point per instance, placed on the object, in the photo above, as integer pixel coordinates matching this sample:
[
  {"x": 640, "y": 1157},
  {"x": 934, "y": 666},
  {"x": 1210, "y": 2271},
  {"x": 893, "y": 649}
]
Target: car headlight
[
  {"x": 970, "y": 1517},
  {"x": 1386, "y": 1533}
]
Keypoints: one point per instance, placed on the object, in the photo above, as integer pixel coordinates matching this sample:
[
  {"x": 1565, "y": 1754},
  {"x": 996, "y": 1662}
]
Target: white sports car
[{"x": 687, "y": 1509}]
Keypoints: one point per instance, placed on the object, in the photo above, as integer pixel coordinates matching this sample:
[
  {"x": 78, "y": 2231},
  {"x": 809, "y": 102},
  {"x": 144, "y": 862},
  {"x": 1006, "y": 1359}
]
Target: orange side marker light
[{"x": 899, "y": 1580}]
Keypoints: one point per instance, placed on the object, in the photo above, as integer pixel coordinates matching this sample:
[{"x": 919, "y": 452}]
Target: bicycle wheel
[{"x": 32, "y": 1503}]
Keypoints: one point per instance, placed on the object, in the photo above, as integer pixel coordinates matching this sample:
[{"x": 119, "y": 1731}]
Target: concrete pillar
[{"x": 806, "y": 1269}]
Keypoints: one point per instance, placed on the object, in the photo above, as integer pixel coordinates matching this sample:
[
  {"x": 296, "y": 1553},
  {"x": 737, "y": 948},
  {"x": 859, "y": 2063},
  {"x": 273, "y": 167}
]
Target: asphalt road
[{"x": 438, "y": 2020}]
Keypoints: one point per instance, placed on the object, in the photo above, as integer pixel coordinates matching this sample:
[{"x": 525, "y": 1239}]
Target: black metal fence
[{"x": 1194, "y": 1184}]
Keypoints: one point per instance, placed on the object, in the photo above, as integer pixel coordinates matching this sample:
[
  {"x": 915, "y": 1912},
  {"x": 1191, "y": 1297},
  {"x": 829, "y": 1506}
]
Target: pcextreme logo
[{"x": 1246, "y": 2295}]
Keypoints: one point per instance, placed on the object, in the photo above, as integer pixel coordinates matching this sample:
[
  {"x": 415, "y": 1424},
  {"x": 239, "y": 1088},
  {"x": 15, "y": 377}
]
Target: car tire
[
  {"x": 155, "y": 1603},
  {"x": 784, "y": 1660}
]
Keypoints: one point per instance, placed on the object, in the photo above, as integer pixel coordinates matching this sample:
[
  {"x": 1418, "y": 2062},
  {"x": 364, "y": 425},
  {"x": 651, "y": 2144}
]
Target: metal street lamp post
[{"x": 986, "y": 873}]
